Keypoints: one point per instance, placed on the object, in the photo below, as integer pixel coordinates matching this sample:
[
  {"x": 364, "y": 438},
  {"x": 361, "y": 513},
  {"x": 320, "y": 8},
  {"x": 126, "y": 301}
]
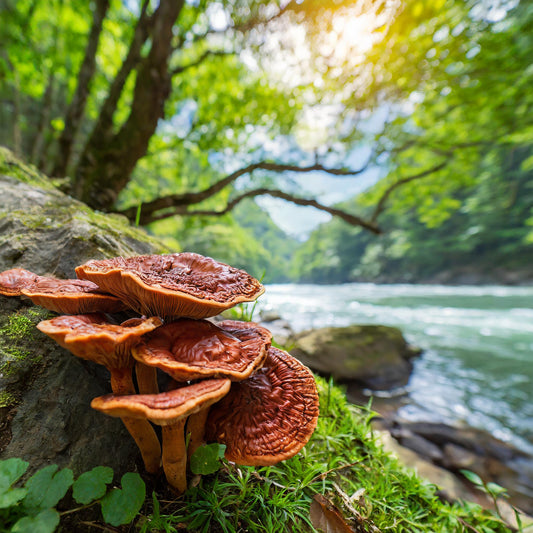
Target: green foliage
[
  {"x": 206, "y": 459},
  {"x": 344, "y": 457},
  {"x": 31, "y": 508}
]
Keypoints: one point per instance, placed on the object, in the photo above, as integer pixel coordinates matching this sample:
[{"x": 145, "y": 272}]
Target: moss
[
  {"x": 7, "y": 399},
  {"x": 11, "y": 166}
]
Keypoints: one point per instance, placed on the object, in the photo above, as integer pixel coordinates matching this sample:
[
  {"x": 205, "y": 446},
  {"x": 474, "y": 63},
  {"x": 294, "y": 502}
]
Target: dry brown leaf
[{"x": 326, "y": 516}]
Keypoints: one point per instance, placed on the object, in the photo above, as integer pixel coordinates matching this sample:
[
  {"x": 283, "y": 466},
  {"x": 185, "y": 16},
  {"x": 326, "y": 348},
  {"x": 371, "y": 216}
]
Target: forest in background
[{"x": 179, "y": 114}]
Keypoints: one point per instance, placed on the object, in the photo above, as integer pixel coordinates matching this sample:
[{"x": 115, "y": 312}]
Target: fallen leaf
[{"x": 326, "y": 516}]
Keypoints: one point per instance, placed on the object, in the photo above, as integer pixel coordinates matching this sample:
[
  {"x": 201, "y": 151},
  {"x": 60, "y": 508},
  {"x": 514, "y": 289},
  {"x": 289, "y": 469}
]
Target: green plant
[
  {"x": 345, "y": 462},
  {"x": 31, "y": 508}
]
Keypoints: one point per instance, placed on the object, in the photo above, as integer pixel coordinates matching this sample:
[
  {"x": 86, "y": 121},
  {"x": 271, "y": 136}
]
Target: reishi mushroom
[
  {"x": 192, "y": 349},
  {"x": 169, "y": 410},
  {"x": 14, "y": 280},
  {"x": 93, "y": 338},
  {"x": 268, "y": 417},
  {"x": 173, "y": 285},
  {"x": 71, "y": 296}
]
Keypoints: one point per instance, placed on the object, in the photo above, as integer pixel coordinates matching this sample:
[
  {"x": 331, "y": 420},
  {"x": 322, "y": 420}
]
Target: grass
[{"x": 344, "y": 462}]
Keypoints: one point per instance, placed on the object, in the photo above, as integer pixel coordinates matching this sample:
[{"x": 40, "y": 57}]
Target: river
[{"x": 477, "y": 364}]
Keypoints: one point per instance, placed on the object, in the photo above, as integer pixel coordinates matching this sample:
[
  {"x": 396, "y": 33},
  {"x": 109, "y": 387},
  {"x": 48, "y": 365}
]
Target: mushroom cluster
[{"x": 225, "y": 382}]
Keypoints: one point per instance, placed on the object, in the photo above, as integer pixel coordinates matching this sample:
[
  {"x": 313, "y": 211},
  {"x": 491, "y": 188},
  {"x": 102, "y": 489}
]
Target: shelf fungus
[
  {"x": 64, "y": 296},
  {"x": 93, "y": 338},
  {"x": 173, "y": 285},
  {"x": 192, "y": 349},
  {"x": 169, "y": 410},
  {"x": 268, "y": 417}
]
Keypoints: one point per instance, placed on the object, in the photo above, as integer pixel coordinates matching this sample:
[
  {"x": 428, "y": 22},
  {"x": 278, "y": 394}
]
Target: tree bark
[
  {"x": 38, "y": 144},
  {"x": 76, "y": 109},
  {"x": 105, "y": 168}
]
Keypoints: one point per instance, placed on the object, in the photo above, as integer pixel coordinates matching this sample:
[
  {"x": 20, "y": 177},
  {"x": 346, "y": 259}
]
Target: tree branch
[
  {"x": 149, "y": 209},
  {"x": 308, "y": 202},
  {"x": 385, "y": 196},
  {"x": 198, "y": 61}
]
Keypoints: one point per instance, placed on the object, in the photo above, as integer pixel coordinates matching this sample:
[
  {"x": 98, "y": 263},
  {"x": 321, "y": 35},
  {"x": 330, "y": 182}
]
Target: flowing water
[{"x": 477, "y": 365}]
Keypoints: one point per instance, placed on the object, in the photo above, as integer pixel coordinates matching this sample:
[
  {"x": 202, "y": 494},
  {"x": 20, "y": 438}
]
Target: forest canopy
[{"x": 179, "y": 114}]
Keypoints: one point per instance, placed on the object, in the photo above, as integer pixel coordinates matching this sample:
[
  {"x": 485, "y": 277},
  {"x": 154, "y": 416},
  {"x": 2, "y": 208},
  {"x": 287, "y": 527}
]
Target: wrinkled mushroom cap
[
  {"x": 190, "y": 349},
  {"x": 13, "y": 281},
  {"x": 268, "y": 417},
  {"x": 174, "y": 285},
  {"x": 164, "y": 408},
  {"x": 71, "y": 296},
  {"x": 93, "y": 338}
]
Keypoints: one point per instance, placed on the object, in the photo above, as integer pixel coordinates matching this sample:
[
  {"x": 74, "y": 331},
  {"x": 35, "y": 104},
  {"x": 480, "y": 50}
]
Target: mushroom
[
  {"x": 191, "y": 349},
  {"x": 173, "y": 285},
  {"x": 92, "y": 337},
  {"x": 14, "y": 280},
  {"x": 268, "y": 417},
  {"x": 169, "y": 410},
  {"x": 71, "y": 296}
]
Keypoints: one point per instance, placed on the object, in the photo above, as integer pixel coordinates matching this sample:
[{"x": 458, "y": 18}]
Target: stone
[
  {"x": 375, "y": 357},
  {"x": 45, "y": 391}
]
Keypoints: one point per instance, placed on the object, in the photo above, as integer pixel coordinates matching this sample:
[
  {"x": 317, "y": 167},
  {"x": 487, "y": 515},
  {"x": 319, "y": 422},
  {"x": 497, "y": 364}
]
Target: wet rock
[
  {"x": 459, "y": 448},
  {"x": 373, "y": 357},
  {"x": 45, "y": 392}
]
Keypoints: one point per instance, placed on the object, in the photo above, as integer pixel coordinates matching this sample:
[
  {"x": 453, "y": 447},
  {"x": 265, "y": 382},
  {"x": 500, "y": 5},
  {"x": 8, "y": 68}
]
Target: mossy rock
[
  {"x": 377, "y": 357},
  {"x": 45, "y": 391}
]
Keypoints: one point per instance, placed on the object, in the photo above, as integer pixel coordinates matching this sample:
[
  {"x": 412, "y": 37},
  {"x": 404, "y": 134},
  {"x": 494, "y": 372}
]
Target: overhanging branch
[
  {"x": 380, "y": 206},
  {"x": 347, "y": 217},
  {"x": 173, "y": 201}
]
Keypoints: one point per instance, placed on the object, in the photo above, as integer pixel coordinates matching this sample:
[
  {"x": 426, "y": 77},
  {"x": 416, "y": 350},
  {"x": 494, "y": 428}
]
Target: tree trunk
[
  {"x": 76, "y": 108},
  {"x": 105, "y": 168},
  {"x": 37, "y": 148}
]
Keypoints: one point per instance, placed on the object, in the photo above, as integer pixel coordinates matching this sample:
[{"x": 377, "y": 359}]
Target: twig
[
  {"x": 360, "y": 519},
  {"x": 340, "y": 467}
]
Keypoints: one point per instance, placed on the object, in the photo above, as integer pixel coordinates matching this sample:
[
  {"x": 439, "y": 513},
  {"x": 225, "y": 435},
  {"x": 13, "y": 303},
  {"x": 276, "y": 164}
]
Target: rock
[
  {"x": 459, "y": 448},
  {"x": 375, "y": 357},
  {"x": 45, "y": 392}
]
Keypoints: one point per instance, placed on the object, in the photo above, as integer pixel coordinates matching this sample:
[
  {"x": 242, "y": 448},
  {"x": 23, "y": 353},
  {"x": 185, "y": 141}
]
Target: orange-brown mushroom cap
[
  {"x": 164, "y": 408},
  {"x": 92, "y": 337},
  {"x": 71, "y": 296},
  {"x": 14, "y": 280},
  {"x": 191, "y": 349},
  {"x": 173, "y": 285},
  {"x": 268, "y": 417}
]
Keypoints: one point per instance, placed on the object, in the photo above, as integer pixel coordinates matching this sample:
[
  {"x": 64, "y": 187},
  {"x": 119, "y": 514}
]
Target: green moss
[
  {"x": 11, "y": 166},
  {"x": 6, "y": 399}
]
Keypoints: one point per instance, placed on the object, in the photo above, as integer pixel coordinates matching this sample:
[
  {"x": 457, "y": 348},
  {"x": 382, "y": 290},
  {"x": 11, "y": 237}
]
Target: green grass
[{"x": 343, "y": 461}]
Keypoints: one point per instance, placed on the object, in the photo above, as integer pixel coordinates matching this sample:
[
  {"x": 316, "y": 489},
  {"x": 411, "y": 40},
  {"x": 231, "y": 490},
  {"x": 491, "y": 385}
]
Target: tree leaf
[
  {"x": 92, "y": 485},
  {"x": 120, "y": 506},
  {"x": 11, "y": 470},
  {"x": 46, "y": 487},
  {"x": 206, "y": 459},
  {"x": 326, "y": 516},
  {"x": 45, "y": 522}
]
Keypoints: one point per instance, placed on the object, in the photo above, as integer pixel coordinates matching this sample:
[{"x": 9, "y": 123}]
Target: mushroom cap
[
  {"x": 92, "y": 337},
  {"x": 71, "y": 296},
  {"x": 268, "y": 417},
  {"x": 173, "y": 285},
  {"x": 164, "y": 408},
  {"x": 191, "y": 349},
  {"x": 14, "y": 280}
]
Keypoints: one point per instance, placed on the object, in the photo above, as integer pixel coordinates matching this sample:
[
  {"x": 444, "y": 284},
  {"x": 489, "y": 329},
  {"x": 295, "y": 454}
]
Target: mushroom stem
[
  {"x": 146, "y": 439},
  {"x": 121, "y": 381},
  {"x": 146, "y": 378},
  {"x": 196, "y": 428},
  {"x": 175, "y": 455},
  {"x": 141, "y": 430}
]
